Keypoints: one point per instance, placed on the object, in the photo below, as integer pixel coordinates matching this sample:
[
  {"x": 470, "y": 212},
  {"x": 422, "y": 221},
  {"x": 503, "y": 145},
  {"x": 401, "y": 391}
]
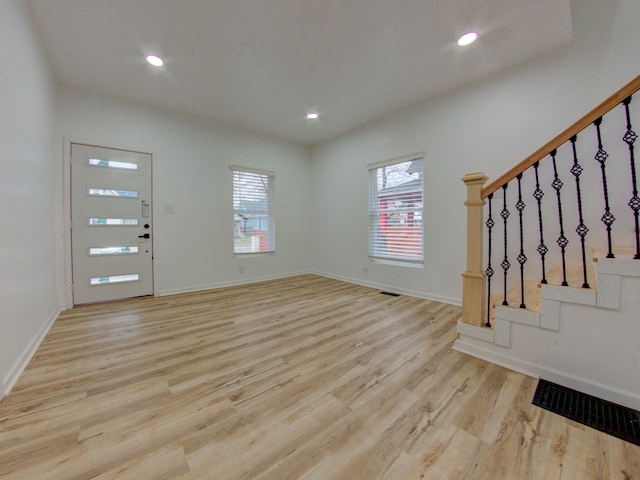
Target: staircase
[{"x": 556, "y": 293}]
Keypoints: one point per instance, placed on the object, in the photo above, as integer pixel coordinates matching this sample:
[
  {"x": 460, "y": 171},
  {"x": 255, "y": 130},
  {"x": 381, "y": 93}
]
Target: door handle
[{"x": 146, "y": 235}]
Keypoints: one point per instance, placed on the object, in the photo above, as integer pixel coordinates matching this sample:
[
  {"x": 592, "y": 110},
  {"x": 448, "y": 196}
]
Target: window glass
[
  {"x": 395, "y": 212},
  {"x": 105, "y": 192},
  {"x": 253, "y": 211},
  {"x": 97, "y": 162},
  {"x": 98, "y": 222},
  {"x": 114, "y": 279},
  {"x": 94, "y": 251}
]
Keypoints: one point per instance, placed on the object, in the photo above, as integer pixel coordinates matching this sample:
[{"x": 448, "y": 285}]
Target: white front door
[{"x": 111, "y": 224}]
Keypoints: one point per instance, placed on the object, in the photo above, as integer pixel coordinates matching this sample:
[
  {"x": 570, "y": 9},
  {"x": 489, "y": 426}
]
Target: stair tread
[
  {"x": 575, "y": 276},
  {"x": 619, "y": 252},
  {"x": 531, "y": 296},
  {"x": 533, "y": 292}
]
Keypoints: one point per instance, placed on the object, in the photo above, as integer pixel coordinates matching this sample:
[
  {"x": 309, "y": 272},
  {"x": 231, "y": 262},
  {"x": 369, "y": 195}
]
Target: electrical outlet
[
  {"x": 365, "y": 270},
  {"x": 240, "y": 269}
]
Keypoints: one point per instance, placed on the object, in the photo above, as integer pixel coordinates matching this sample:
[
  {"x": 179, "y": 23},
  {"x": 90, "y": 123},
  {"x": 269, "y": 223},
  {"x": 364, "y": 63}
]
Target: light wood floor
[{"x": 302, "y": 378}]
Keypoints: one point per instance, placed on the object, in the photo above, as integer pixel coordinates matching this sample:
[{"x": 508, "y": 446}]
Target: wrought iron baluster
[
  {"x": 608, "y": 218},
  {"x": 542, "y": 248},
  {"x": 630, "y": 137},
  {"x": 489, "y": 271},
  {"x": 581, "y": 229},
  {"x": 505, "y": 262},
  {"x": 522, "y": 258},
  {"x": 562, "y": 240}
]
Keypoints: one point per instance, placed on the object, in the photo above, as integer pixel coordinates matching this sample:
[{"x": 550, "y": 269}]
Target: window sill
[
  {"x": 397, "y": 263},
  {"x": 253, "y": 254}
]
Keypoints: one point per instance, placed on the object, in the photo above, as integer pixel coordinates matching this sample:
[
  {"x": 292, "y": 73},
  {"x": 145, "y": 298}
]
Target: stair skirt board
[{"x": 615, "y": 420}]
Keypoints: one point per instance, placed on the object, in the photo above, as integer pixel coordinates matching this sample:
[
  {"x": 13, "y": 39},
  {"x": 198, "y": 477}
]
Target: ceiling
[{"x": 263, "y": 64}]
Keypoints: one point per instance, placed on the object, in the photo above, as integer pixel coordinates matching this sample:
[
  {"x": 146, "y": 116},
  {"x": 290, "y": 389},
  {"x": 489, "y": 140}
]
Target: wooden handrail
[{"x": 605, "y": 107}]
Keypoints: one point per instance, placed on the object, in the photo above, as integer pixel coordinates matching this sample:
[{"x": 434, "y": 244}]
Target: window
[
  {"x": 253, "y": 211},
  {"x": 395, "y": 211},
  {"x": 97, "y": 162},
  {"x": 127, "y": 222},
  {"x": 95, "y": 251},
  {"x": 134, "y": 277},
  {"x": 103, "y": 192}
]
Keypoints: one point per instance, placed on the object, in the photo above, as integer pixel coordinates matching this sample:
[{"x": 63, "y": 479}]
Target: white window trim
[
  {"x": 393, "y": 161},
  {"x": 238, "y": 168},
  {"x": 270, "y": 212},
  {"x": 392, "y": 260}
]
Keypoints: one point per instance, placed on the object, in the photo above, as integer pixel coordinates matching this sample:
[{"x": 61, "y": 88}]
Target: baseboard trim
[
  {"x": 355, "y": 281},
  {"x": 581, "y": 384},
  {"x": 391, "y": 288},
  {"x": 215, "y": 286},
  {"x": 14, "y": 373}
]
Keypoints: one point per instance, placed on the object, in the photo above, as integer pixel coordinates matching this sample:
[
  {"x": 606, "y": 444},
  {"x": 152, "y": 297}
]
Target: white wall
[
  {"x": 488, "y": 126},
  {"x": 28, "y": 296},
  {"x": 193, "y": 246}
]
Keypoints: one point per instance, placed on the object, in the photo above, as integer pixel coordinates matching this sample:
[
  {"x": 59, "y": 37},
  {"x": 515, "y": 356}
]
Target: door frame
[{"x": 68, "y": 272}]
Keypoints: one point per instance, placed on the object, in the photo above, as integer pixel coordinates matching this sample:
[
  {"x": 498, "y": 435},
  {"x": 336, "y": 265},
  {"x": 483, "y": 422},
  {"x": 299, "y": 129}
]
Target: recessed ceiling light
[
  {"x": 467, "y": 39},
  {"x": 155, "y": 60},
  {"x": 312, "y": 115}
]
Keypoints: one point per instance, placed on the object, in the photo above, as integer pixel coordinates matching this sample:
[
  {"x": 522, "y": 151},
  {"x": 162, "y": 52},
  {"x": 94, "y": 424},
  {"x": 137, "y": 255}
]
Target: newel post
[{"x": 473, "y": 279}]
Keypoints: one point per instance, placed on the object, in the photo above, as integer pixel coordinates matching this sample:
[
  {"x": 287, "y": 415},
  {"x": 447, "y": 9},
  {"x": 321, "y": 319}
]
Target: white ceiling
[{"x": 262, "y": 64}]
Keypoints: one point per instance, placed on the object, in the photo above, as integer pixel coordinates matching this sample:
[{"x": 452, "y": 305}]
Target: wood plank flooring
[{"x": 301, "y": 378}]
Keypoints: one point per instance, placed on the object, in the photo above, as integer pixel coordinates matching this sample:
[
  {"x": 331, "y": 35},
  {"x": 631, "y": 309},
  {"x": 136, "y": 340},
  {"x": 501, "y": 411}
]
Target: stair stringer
[{"x": 585, "y": 339}]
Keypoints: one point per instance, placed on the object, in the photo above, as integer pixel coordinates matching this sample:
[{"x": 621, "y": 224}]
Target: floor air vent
[
  {"x": 391, "y": 294},
  {"x": 615, "y": 420}
]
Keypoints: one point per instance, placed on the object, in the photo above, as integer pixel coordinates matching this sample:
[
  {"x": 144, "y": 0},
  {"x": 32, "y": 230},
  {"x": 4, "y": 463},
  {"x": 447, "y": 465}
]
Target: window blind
[
  {"x": 253, "y": 211},
  {"x": 395, "y": 211}
]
